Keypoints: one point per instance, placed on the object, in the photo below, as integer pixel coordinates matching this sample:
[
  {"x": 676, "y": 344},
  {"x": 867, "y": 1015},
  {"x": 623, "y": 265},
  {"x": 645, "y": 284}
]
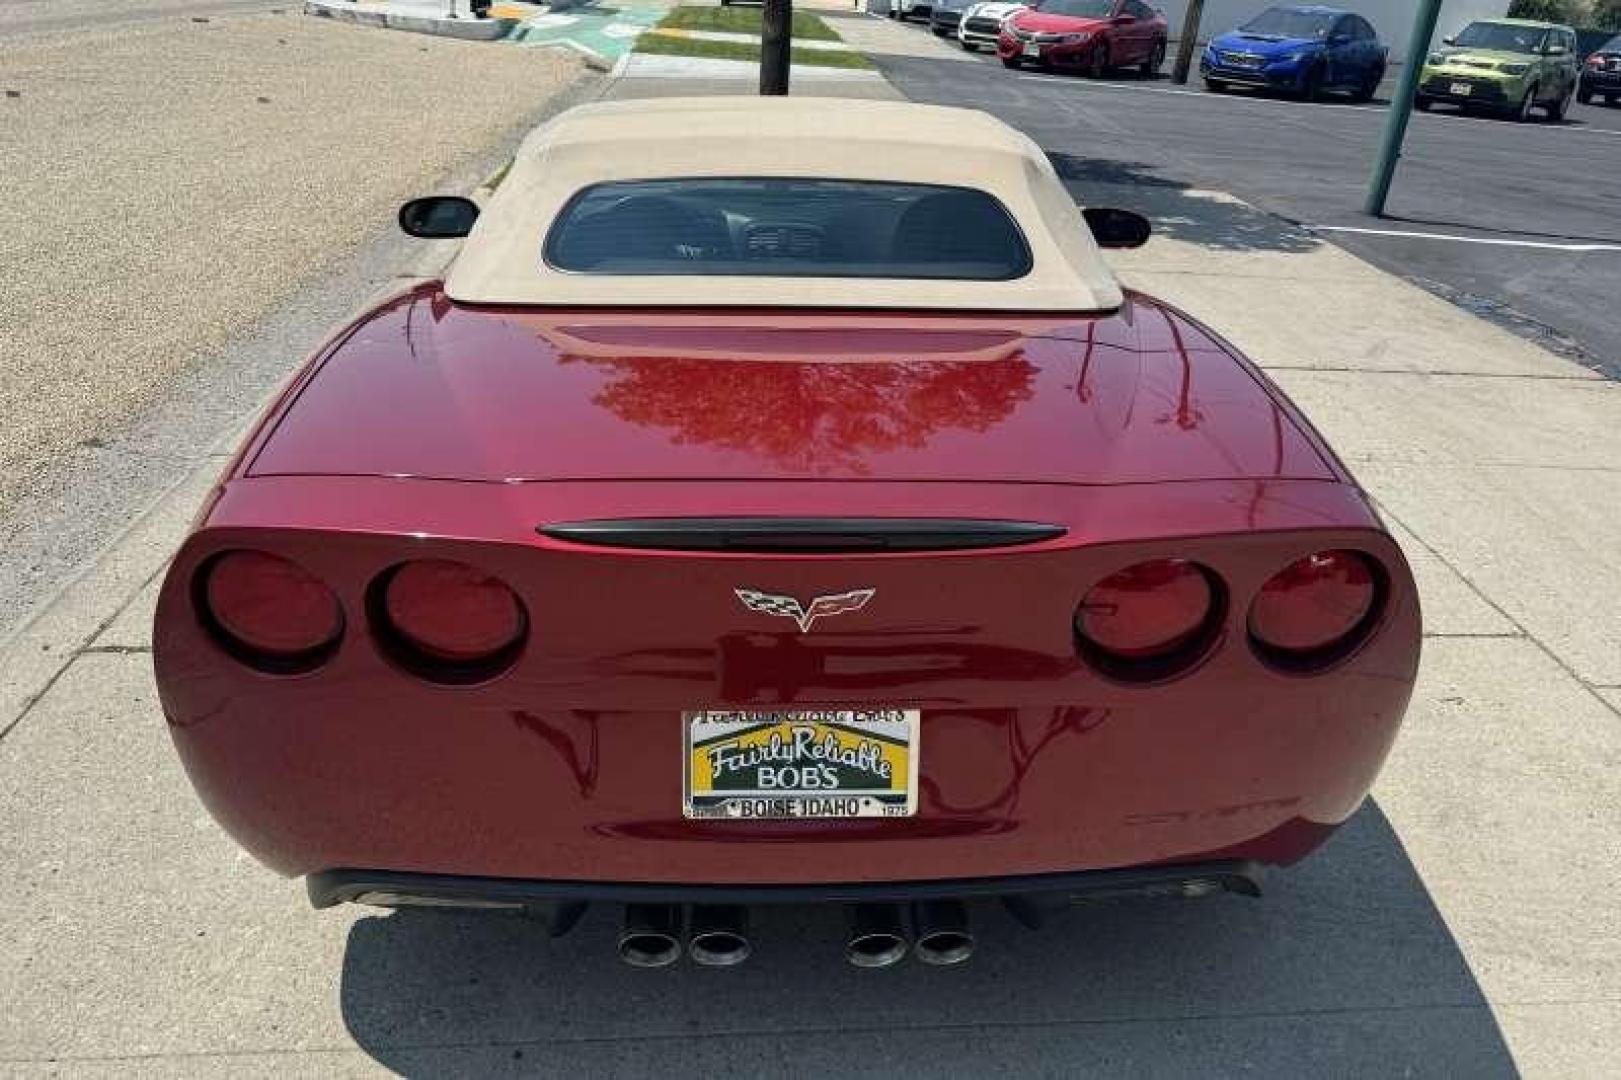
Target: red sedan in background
[{"x": 1093, "y": 36}]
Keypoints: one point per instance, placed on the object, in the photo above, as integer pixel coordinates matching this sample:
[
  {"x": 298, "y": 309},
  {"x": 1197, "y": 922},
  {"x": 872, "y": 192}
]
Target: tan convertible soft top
[{"x": 835, "y": 138}]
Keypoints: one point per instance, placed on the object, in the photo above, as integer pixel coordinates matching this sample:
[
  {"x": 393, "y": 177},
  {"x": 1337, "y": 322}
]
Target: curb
[{"x": 464, "y": 29}]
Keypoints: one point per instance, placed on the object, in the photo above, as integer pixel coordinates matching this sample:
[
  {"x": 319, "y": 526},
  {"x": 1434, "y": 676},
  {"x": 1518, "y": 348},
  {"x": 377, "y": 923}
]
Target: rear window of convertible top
[{"x": 784, "y": 227}]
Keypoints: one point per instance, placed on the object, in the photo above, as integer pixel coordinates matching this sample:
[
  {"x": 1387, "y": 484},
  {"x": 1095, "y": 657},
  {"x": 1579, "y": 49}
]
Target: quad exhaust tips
[
  {"x": 651, "y": 935},
  {"x": 943, "y": 937},
  {"x": 718, "y": 935},
  {"x": 877, "y": 936}
]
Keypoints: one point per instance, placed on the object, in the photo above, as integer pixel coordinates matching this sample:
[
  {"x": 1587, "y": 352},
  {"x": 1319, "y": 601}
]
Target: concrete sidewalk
[
  {"x": 653, "y": 75},
  {"x": 606, "y": 32},
  {"x": 1466, "y": 923}
]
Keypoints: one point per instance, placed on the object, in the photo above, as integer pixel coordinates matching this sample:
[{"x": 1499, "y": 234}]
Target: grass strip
[
  {"x": 738, "y": 50},
  {"x": 745, "y": 20}
]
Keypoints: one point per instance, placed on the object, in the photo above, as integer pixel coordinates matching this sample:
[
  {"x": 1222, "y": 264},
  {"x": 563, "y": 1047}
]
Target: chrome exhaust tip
[
  {"x": 943, "y": 937},
  {"x": 650, "y": 936},
  {"x": 877, "y": 936},
  {"x": 718, "y": 935}
]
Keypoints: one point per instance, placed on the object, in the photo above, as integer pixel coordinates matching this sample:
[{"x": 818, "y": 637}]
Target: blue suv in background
[{"x": 1300, "y": 50}]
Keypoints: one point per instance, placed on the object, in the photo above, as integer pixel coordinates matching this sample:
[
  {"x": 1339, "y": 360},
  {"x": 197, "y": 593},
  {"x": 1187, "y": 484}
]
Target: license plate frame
[
  {"x": 1032, "y": 51},
  {"x": 1459, "y": 89},
  {"x": 795, "y": 764}
]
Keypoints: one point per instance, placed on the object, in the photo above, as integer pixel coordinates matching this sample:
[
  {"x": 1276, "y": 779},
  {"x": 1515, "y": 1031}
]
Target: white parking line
[
  {"x": 1569, "y": 129},
  {"x": 1246, "y": 99},
  {"x": 1542, "y": 245},
  {"x": 1236, "y": 99}
]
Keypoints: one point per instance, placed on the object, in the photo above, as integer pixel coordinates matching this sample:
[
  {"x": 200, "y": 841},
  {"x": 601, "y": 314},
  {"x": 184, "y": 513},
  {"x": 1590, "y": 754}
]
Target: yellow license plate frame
[{"x": 786, "y": 764}]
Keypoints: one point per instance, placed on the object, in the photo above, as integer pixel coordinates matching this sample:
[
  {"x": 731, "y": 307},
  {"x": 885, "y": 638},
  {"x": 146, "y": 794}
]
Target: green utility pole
[
  {"x": 1401, "y": 108},
  {"x": 775, "y": 36},
  {"x": 1188, "y": 42}
]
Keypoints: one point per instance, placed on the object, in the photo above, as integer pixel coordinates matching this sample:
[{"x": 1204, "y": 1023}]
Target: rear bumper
[
  {"x": 1604, "y": 82},
  {"x": 388, "y": 889},
  {"x": 568, "y": 768},
  {"x": 1493, "y": 93}
]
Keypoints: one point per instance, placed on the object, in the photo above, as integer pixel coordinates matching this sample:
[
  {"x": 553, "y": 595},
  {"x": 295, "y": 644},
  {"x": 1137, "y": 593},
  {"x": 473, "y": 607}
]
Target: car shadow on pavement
[
  {"x": 1345, "y": 967},
  {"x": 1179, "y": 210}
]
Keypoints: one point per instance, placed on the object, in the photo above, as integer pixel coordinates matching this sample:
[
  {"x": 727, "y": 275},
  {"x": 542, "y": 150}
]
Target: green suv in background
[{"x": 1509, "y": 66}]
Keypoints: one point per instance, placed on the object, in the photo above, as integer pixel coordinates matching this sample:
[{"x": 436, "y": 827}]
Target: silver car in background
[{"x": 981, "y": 22}]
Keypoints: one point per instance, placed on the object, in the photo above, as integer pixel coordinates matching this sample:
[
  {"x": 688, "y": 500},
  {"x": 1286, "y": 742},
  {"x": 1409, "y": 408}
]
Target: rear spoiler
[{"x": 766, "y": 535}]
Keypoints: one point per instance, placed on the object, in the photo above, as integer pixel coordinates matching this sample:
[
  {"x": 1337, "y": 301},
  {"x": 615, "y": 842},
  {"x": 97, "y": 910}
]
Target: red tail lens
[
  {"x": 270, "y": 606},
  {"x": 1314, "y": 604},
  {"x": 1147, "y": 611},
  {"x": 451, "y": 612}
]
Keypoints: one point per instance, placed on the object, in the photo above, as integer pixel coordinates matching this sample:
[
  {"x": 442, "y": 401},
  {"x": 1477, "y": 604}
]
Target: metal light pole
[
  {"x": 775, "y": 36},
  {"x": 1188, "y": 42},
  {"x": 1401, "y": 109}
]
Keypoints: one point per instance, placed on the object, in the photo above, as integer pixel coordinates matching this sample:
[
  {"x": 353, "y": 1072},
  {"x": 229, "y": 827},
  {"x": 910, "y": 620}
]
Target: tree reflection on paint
[{"x": 813, "y": 417}]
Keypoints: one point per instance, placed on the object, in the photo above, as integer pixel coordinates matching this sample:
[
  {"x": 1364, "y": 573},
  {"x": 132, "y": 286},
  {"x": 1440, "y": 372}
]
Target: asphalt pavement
[{"x": 1520, "y": 223}]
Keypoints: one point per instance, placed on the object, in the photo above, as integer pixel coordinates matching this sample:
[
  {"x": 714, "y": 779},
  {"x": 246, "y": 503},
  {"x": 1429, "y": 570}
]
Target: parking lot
[
  {"x": 1464, "y": 923},
  {"x": 1520, "y": 222}
]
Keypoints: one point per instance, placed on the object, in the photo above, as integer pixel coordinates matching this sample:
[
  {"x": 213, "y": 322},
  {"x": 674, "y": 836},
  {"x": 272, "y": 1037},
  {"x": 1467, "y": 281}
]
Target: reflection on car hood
[
  {"x": 1485, "y": 58},
  {"x": 1043, "y": 23},
  {"x": 430, "y": 388},
  {"x": 1269, "y": 47}
]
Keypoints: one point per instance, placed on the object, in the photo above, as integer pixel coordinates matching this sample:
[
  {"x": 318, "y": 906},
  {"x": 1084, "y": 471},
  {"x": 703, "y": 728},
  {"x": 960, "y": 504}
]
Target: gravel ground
[
  {"x": 169, "y": 182},
  {"x": 29, "y": 16}
]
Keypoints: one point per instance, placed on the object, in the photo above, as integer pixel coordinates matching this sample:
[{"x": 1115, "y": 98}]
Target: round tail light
[
  {"x": 270, "y": 611},
  {"x": 1315, "y": 608},
  {"x": 1148, "y": 613},
  {"x": 452, "y": 617}
]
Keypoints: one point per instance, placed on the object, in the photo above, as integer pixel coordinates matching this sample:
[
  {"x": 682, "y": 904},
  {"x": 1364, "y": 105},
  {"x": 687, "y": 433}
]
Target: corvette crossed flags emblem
[{"x": 790, "y": 608}]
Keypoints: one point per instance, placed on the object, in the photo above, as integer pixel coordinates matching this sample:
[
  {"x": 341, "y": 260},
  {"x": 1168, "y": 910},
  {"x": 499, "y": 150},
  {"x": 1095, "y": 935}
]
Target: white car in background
[
  {"x": 982, "y": 22},
  {"x": 910, "y": 9}
]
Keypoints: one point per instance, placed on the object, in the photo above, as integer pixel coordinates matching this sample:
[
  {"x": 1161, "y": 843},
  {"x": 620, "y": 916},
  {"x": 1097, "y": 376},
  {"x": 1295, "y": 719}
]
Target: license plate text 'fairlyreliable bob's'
[{"x": 802, "y": 763}]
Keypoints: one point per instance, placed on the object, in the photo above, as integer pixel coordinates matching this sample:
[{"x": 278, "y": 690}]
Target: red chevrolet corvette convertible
[{"x": 779, "y": 501}]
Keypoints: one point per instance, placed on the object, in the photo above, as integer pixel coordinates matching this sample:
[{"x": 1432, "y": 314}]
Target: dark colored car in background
[
  {"x": 1093, "y": 36},
  {"x": 1601, "y": 74},
  {"x": 945, "y": 15},
  {"x": 1299, "y": 50}
]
